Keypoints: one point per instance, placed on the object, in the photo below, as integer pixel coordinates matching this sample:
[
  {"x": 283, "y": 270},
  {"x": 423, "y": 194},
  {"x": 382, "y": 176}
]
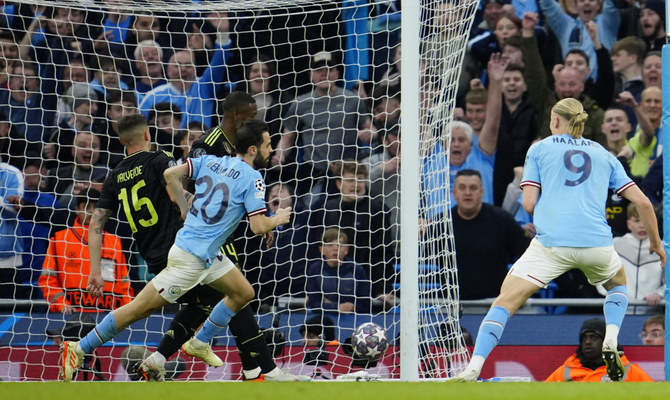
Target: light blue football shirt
[
  {"x": 573, "y": 175},
  {"x": 225, "y": 188}
]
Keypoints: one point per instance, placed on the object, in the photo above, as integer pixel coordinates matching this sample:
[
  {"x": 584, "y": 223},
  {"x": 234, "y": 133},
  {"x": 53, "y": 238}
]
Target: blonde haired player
[{"x": 565, "y": 185}]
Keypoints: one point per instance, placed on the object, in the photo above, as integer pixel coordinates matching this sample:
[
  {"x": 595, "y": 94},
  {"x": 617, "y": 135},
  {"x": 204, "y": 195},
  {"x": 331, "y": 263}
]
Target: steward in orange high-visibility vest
[
  {"x": 66, "y": 267},
  {"x": 587, "y": 364}
]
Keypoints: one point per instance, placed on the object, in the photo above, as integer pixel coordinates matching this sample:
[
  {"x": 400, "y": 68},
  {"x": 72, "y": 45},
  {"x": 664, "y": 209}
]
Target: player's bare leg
[{"x": 513, "y": 294}]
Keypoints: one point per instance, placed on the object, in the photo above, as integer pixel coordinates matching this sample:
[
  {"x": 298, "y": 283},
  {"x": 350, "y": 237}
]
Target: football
[{"x": 369, "y": 341}]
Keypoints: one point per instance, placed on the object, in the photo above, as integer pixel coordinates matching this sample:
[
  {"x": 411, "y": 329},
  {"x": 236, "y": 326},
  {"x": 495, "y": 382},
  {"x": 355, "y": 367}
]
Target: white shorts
[
  {"x": 540, "y": 265},
  {"x": 184, "y": 271}
]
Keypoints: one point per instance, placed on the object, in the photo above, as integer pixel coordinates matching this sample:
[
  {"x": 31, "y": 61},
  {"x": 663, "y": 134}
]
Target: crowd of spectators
[{"x": 67, "y": 75}]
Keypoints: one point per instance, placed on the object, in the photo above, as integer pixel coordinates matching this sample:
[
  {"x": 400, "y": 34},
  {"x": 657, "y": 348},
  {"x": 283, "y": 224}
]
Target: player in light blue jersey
[
  {"x": 226, "y": 189},
  {"x": 565, "y": 185}
]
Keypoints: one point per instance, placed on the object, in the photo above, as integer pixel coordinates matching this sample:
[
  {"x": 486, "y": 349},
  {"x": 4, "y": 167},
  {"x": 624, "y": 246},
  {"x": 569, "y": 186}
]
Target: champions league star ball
[{"x": 369, "y": 341}]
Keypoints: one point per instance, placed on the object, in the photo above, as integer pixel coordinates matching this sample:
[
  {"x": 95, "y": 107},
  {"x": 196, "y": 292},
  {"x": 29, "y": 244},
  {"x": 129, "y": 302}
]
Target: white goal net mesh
[{"x": 326, "y": 77}]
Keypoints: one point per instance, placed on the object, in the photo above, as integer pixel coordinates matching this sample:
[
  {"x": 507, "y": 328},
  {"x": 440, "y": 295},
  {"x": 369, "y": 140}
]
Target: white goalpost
[{"x": 330, "y": 78}]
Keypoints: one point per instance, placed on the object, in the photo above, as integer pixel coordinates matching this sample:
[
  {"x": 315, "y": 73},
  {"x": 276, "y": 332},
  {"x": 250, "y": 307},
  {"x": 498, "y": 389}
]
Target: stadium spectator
[
  {"x": 644, "y": 272},
  {"x": 569, "y": 83},
  {"x": 195, "y": 96},
  {"x": 9, "y": 54},
  {"x": 261, "y": 82},
  {"x": 587, "y": 364},
  {"x": 119, "y": 104},
  {"x": 627, "y": 58},
  {"x": 106, "y": 75},
  {"x": 165, "y": 120},
  {"x": 336, "y": 282},
  {"x": 39, "y": 217},
  {"x": 83, "y": 103},
  {"x": 70, "y": 179},
  {"x": 325, "y": 123},
  {"x": 149, "y": 27},
  {"x": 5, "y": 142},
  {"x": 464, "y": 151},
  {"x": 483, "y": 46},
  {"x": 652, "y": 69},
  {"x": 193, "y": 132},
  {"x": 651, "y": 106},
  {"x": 524, "y": 50},
  {"x": 67, "y": 35},
  {"x": 653, "y": 331},
  {"x": 573, "y": 31},
  {"x": 491, "y": 11},
  {"x": 117, "y": 22},
  {"x": 385, "y": 116},
  {"x": 148, "y": 70},
  {"x": 11, "y": 244},
  {"x": 487, "y": 239},
  {"x": 602, "y": 89},
  {"x": 475, "y": 110},
  {"x": 549, "y": 167},
  {"x": 391, "y": 76},
  {"x": 652, "y": 21},
  {"x": 641, "y": 147},
  {"x": 366, "y": 222},
  {"x": 384, "y": 170},
  {"x": 66, "y": 267},
  {"x": 75, "y": 72},
  {"x": 518, "y": 129},
  {"x": 283, "y": 263},
  {"x": 28, "y": 110},
  {"x": 441, "y": 47},
  {"x": 652, "y": 184}
]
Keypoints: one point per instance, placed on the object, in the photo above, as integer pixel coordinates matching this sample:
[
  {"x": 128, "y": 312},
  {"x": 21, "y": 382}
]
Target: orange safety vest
[
  {"x": 573, "y": 371},
  {"x": 66, "y": 268}
]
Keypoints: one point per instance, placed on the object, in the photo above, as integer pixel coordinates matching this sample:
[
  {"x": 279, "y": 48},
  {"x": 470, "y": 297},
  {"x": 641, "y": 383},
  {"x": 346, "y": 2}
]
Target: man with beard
[
  {"x": 652, "y": 21},
  {"x": 587, "y": 364}
]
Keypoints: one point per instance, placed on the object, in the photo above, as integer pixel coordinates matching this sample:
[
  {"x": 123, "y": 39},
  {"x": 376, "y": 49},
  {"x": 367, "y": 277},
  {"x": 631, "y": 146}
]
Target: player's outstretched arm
[
  {"x": 96, "y": 285},
  {"x": 173, "y": 177},
  {"x": 648, "y": 217},
  {"x": 261, "y": 223}
]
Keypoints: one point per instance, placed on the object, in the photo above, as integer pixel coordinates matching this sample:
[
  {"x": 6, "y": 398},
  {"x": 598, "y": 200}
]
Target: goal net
[{"x": 326, "y": 77}]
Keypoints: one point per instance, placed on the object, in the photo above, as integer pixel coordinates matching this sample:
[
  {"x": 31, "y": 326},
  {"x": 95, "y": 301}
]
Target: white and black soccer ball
[{"x": 369, "y": 341}]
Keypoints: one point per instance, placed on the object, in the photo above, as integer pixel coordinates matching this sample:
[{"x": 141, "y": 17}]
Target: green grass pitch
[{"x": 331, "y": 390}]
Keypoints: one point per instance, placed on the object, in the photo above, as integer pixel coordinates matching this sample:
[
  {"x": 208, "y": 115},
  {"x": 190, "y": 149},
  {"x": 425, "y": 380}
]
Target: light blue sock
[
  {"x": 616, "y": 304},
  {"x": 490, "y": 331},
  {"x": 217, "y": 321},
  {"x": 102, "y": 332}
]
